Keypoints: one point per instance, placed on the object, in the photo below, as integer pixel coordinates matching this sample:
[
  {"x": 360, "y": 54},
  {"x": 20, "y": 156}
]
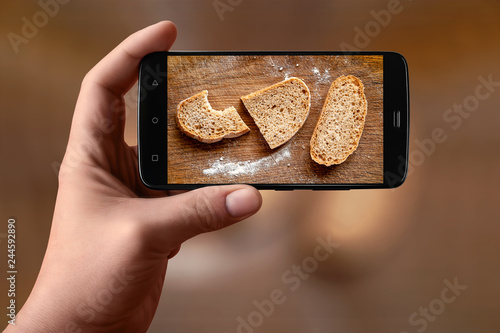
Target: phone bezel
[{"x": 152, "y": 103}]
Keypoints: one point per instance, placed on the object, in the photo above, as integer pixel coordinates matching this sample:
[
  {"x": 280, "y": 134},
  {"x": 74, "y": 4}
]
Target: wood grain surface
[{"x": 248, "y": 159}]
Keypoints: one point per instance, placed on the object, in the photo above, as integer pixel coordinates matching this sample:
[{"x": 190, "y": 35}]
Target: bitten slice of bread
[
  {"x": 341, "y": 122},
  {"x": 280, "y": 110},
  {"x": 196, "y": 118}
]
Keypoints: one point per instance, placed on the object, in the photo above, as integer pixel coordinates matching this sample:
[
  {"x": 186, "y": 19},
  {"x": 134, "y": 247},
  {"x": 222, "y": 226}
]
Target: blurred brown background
[{"x": 397, "y": 247}]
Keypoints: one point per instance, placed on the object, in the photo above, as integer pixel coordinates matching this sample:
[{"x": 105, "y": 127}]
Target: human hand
[{"x": 111, "y": 237}]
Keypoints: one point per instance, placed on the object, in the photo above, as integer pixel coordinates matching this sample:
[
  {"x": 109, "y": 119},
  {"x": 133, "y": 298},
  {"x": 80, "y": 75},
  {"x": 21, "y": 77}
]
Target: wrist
[
  {"x": 33, "y": 319},
  {"x": 43, "y": 312}
]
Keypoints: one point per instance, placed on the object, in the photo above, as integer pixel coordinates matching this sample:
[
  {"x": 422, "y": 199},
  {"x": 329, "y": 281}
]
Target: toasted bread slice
[
  {"x": 280, "y": 110},
  {"x": 341, "y": 122},
  {"x": 196, "y": 118}
]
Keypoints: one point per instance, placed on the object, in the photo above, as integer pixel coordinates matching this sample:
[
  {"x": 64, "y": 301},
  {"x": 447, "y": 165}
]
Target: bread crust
[
  {"x": 203, "y": 97},
  {"x": 263, "y": 90},
  {"x": 357, "y": 120}
]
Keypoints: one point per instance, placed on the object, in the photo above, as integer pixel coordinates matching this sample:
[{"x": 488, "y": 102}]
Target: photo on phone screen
[{"x": 172, "y": 157}]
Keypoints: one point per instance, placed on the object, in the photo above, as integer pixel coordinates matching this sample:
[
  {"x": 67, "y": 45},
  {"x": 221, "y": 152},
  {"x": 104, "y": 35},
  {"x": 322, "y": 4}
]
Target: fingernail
[{"x": 242, "y": 202}]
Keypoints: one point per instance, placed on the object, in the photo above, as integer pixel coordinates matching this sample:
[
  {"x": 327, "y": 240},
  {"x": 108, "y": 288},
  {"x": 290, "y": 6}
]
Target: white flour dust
[
  {"x": 321, "y": 77},
  {"x": 247, "y": 167}
]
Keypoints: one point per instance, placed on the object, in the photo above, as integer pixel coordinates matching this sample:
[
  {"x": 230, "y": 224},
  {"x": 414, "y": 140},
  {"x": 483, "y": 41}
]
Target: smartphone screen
[{"x": 170, "y": 159}]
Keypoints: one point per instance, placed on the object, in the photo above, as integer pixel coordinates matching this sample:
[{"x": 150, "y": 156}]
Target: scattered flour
[
  {"x": 247, "y": 167},
  {"x": 321, "y": 77}
]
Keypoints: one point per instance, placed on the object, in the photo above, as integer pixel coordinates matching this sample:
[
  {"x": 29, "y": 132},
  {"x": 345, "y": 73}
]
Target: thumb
[{"x": 173, "y": 220}]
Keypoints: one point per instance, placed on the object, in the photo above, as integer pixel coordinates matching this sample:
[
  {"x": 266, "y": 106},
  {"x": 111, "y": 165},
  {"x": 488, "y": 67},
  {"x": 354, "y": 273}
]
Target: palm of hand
[{"x": 111, "y": 189}]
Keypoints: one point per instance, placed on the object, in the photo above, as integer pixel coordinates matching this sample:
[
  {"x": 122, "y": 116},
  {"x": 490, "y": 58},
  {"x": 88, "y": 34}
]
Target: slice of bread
[
  {"x": 196, "y": 118},
  {"x": 280, "y": 110},
  {"x": 341, "y": 122}
]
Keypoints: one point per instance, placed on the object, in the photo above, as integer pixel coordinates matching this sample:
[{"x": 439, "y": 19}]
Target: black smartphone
[{"x": 171, "y": 159}]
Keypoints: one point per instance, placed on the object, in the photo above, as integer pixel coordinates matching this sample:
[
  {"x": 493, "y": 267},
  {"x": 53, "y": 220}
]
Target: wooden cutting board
[{"x": 248, "y": 159}]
